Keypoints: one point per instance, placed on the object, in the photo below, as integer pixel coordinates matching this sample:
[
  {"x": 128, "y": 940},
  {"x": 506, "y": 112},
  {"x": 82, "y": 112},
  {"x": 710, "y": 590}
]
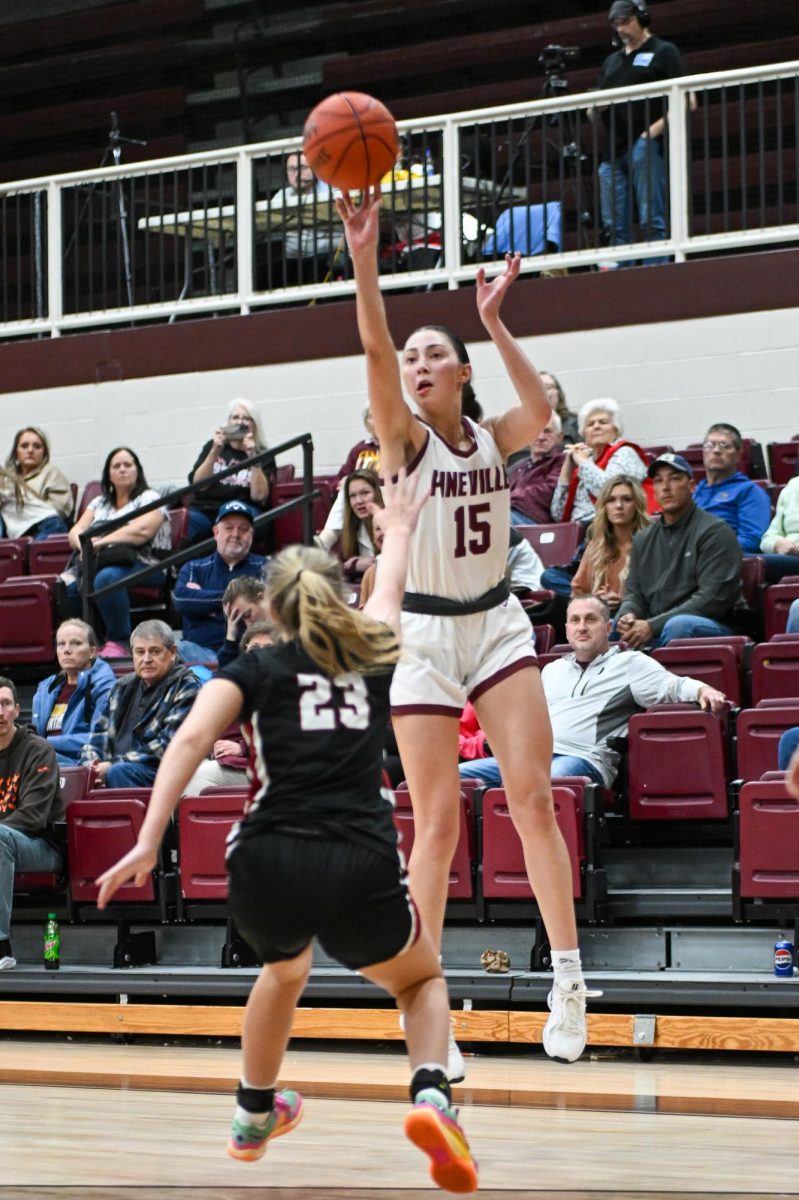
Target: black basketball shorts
[{"x": 288, "y": 888}]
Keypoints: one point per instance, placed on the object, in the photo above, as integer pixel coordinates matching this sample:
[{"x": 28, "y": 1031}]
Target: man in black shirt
[{"x": 634, "y": 150}]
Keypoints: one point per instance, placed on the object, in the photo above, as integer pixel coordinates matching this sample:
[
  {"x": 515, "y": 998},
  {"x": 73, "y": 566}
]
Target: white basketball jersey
[{"x": 460, "y": 546}]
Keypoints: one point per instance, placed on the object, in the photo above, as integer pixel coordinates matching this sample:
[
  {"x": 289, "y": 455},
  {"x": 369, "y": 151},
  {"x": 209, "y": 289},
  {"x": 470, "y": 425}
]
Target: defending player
[
  {"x": 464, "y": 636},
  {"x": 316, "y": 855}
]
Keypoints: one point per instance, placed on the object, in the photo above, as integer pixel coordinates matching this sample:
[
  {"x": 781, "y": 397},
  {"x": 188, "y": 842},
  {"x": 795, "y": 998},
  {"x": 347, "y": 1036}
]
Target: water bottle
[{"x": 52, "y": 944}]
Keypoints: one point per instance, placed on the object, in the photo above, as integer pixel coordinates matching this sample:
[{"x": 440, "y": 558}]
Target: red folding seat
[
  {"x": 544, "y": 638},
  {"x": 288, "y": 527},
  {"x": 75, "y": 783},
  {"x": 50, "y": 556},
  {"x": 554, "y": 544},
  {"x": 99, "y": 831},
  {"x": 461, "y": 885},
  {"x": 775, "y": 670},
  {"x": 715, "y": 664},
  {"x": 695, "y": 458},
  {"x": 27, "y": 620},
  {"x": 768, "y": 852},
  {"x": 753, "y": 576},
  {"x": 204, "y": 823},
  {"x": 677, "y": 765},
  {"x": 777, "y": 602},
  {"x": 758, "y": 731},
  {"x": 782, "y": 458},
  {"x": 178, "y": 527},
  {"x": 92, "y": 489},
  {"x": 503, "y": 869},
  {"x": 13, "y": 554},
  {"x": 285, "y": 473}
]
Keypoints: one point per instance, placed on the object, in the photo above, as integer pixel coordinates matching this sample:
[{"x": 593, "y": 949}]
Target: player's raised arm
[
  {"x": 396, "y": 429},
  {"x": 398, "y": 520},
  {"x": 518, "y": 426}
]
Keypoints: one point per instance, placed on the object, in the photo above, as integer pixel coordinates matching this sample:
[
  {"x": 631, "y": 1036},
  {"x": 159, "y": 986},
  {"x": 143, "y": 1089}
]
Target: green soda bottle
[{"x": 52, "y": 944}]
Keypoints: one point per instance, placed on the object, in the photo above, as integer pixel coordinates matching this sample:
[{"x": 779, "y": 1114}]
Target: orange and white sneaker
[
  {"x": 434, "y": 1128},
  {"x": 248, "y": 1140}
]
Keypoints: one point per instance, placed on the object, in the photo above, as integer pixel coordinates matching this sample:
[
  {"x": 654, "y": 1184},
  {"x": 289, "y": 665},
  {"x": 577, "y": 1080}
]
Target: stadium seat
[
  {"x": 75, "y": 783},
  {"x": 204, "y": 823},
  {"x": 768, "y": 842},
  {"x": 775, "y": 670},
  {"x": 758, "y": 731},
  {"x": 100, "y": 829},
  {"x": 461, "y": 882},
  {"x": 694, "y": 457},
  {"x": 13, "y": 554},
  {"x": 27, "y": 620},
  {"x": 783, "y": 458},
  {"x": 504, "y": 876},
  {"x": 714, "y": 663},
  {"x": 544, "y": 637},
  {"x": 555, "y": 545},
  {"x": 678, "y": 765},
  {"x": 92, "y": 489},
  {"x": 50, "y": 556},
  {"x": 753, "y": 576},
  {"x": 288, "y": 527},
  {"x": 777, "y": 601},
  {"x": 179, "y": 527}
]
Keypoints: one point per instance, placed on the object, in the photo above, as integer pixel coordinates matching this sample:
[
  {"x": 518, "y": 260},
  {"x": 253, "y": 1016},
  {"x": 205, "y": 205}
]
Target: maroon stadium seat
[
  {"x": 461, "y": 886},
  {"x": 758, "y": 731},
  {"x": 92, "y": 489},
  {"x": 75, "y": 782},
  {"x": 204, "y": 823},
  {"x": 178, "y": 527},
  {"x": 775, "y": 670},
  {"x": 27, "y": 620},
  {"x": 544, "y": 638},
  {"x": 50, "y": 556},
  {"x": 677, "y": 763},
  {"x": 782, "y": 458},
  {"x": 99, "y": 831},
  {"x": 13, "y": 557},
  {"x": 695, "y": 458},
  {"x": 768, "y": 841},
  {"x": 715, "y": 664},
  {"x": 778, "y": 600},
  {"x": 753, "y": 576},
  {"x": 555, "y": 545},
  {"x": 288, "y": 528},
  {"x": 504, "y": 872}
]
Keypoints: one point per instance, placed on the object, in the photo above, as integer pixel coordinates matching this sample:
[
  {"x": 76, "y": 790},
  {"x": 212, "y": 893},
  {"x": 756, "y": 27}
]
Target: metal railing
[
  {"x": 142, "y": 576},
  {"x": 205, "y": 233}
]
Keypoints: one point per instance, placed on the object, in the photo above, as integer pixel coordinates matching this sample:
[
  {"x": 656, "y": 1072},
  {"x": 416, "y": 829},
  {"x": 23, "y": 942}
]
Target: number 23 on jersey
[{"x": 329, "y": 703}]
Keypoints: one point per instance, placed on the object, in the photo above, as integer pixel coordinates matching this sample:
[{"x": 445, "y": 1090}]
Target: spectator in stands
[
  {"x": 364, "y": 454},
  {"x": 534, "y": 478},
  {"x": 523, "y": 568},
  {"x": 68, "y": 705},
  {"x": 780, "y": 542},
  {"x": 634, "y": 156},
  {"x": 30, "y": 801},
  {"x": 591, "y": 695},
  {"x": 35, "y": 498},
  {"x": 587, "y": 465},
  {"x": 227, "y": 765},
  {"x": 620, "y": 514},
  {"x": 139, "y": 543},
  {"x": 356, "y": 547},
  {"x": 243, "y": 605},
  {"x": 310, "y": 250},
  {"x": 684, "y": 577},
  {"x": 557, "y": 398},
  {"x": 202, "y": 581},
  {"x": 727, "y": 493},
  {"x": 144, "y": 712},
  {"x": 237, "y": 440}
]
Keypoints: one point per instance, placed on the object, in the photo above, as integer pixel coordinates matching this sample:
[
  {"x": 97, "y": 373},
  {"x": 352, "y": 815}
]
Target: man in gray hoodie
[{"x": 30, "y": 800}]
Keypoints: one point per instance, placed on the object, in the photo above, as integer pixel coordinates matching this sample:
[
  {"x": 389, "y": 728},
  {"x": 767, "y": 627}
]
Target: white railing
[{"x": 200, "y": 233}]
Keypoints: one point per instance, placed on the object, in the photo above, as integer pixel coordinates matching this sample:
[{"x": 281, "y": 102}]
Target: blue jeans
[
  {"x": 49, "y": 527},
  {"x": 793, "y": 618},
  {"x": 484, "y": 769},
  {"x": 647, "y": 172},
  {"x": 559, "y": 579},
  {"x": 130, "y": 774},
  {"x": 115, "y": 609},
  {"x": 780, "y": 565},
  {"x": 689, "y": 626},
  {"x": 20, "y": 852},
  {"x": 520, "y": 518},
  {"x": 789, "y": 742},
  {"x": 200, "y": 526},
  {"x": 570, "y": 764}
]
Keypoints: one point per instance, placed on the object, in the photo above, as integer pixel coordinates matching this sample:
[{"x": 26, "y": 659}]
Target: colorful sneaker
[
  {"x": 248, "y": 1142},
  {"x": 435, "y": 1131},
  {"x": 565, "y": 1032}
]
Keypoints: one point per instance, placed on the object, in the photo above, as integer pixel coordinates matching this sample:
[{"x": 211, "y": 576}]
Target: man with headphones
[{"x": 633, "y": 164}]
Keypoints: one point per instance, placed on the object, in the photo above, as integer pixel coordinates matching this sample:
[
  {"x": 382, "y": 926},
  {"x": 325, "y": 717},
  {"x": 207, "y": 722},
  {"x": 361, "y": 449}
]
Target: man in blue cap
[
  {"x": 684, "y": 578},
  {"x": 202, "y": 581}
]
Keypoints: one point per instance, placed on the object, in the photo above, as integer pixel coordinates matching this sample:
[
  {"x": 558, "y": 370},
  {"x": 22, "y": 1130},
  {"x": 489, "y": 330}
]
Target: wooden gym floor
[{"x": 145, "y": 1122}]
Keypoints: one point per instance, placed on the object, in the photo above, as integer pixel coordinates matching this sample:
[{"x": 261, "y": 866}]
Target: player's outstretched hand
[
  {"x": 136, "y": 865},
  {"x": 402, "y": 506},
  {"x": 491, "y": 293},
  {"x": 361, "y": 221}
]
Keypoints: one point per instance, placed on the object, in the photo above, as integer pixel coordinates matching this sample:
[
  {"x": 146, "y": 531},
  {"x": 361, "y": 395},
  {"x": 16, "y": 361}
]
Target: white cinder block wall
[{"x": 671, "y": 379}]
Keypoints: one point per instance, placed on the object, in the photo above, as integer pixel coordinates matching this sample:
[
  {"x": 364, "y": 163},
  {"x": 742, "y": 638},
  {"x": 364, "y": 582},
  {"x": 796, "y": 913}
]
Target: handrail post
[
  {"x": 55, "y": 265},
  {"x": 245, "y": 231},
  {"x": 453, "y": 222},
  {"x": 307, "y": 487},
  {"x": 679, "y": 169}
]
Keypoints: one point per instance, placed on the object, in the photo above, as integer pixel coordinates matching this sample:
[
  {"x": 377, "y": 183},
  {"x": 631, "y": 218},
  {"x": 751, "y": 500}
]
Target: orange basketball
[{"x": 350, "y": 140}]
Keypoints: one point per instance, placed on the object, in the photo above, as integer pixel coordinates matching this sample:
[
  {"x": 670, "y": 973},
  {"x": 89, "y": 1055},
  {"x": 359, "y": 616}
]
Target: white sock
[
  {"x": 431, "y": 1066},
  {"x": 567, "y": 968}
]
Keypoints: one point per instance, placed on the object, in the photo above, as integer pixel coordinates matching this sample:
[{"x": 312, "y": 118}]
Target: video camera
[{"x": 554, "y": 59}]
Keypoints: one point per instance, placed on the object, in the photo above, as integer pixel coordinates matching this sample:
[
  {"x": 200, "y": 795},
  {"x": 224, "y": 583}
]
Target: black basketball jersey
[{"x": 316, "y": 745}]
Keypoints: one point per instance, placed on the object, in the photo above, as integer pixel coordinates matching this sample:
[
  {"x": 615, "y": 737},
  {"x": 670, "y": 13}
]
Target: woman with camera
[{"x": 237, "y": 440}]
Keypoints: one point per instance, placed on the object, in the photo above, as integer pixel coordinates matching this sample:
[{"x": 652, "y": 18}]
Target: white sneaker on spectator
[
  {"x": 565, "y": 1032},
  {"x": 7, "y": 962},
  {"x": 456, "y": 1067}
]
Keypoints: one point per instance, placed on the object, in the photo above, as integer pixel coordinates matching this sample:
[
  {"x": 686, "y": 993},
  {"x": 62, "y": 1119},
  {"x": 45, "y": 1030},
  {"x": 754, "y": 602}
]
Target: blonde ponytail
[{"x": 305, "y": 589}]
